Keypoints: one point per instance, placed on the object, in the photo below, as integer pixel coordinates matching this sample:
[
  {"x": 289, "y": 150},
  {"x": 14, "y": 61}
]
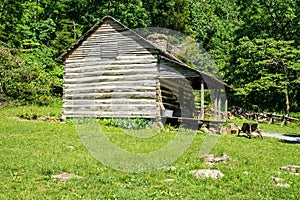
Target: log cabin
[{"x": 112, "y": 71}]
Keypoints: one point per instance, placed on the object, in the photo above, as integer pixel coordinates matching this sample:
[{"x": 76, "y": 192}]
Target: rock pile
[
  {"x": 211, "y": 159},
  {"x": 293, "y": 169}
]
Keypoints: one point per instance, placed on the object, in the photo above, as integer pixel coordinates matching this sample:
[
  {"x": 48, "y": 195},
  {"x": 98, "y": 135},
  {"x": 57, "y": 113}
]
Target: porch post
[
  {"x": 225, "y": 111},
  {"x": 219, "y": 105},
  {"x": 202, "y": 101},
  {"x": 215, "y": 104}
]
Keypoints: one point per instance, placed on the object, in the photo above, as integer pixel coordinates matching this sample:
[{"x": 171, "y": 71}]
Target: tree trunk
[
  {"x": 287, "y": 100},
  {"x": 286, "y": 91}
]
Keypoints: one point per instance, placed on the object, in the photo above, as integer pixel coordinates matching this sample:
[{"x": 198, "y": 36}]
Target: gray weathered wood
[
  {"x": 113, "y": 72},
  {"x": 215, "y": 105},
  {"x": 219, "y": 105},
  {"x": 225, "y": 109},
  {"x": 202, "y": 101}
]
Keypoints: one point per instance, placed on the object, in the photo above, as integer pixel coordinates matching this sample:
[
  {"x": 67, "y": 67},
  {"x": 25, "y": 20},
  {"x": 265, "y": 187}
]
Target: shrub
[{"x": 135, "y": 123}]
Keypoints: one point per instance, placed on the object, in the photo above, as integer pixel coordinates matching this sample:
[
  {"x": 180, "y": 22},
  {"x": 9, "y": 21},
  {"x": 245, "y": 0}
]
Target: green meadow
[{"x": 31, "y": 151}]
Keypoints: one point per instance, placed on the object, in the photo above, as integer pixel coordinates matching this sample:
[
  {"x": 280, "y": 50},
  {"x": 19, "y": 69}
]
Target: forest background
[{"x": 254, "y": 43}]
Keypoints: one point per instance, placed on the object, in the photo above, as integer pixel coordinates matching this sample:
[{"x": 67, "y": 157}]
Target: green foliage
[
  {"x": 30, "y": 76},
  {"x": 169, "y": 129},
  {"x": 271, "y": 69},
  {"x": 244, "y": 38},
  {"x": 28, "y": 115},
  {"x": 172, "y": 14},
  {"x": 273, "y": 19},
  {"x": 135, "y": 123},
  {"x": 130, "y": 12},
  {"x": 295, "y": 114}
]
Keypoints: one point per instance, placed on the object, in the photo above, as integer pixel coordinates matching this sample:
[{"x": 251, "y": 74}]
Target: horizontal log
[
  {"x": 120, "y": 101},
  {"x": 114, "y": 85},
  {"x": 171, "y": 106},
  {"x": 176, "y": 83},
  {"x": 117, "y": 72},
  {"x": 95, "y": 79},
  {"x": 292, "y": 118},
  {"x": 110, "y": 107},
  {"x": 94, "y": 67},
  {"x": 114, "y": 111},
  {"x": 108, "y": 89},
  {"x": 82, "y": 61},
  {"x": 109, "y": 115},
  {"x": 170, "y": 94},
  {"x": 130, "y": 95}
]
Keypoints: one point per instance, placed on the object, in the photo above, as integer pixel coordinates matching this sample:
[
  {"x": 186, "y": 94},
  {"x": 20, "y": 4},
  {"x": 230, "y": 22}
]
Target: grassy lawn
[
  {"x": 31, "y": 151},
  {"x": 292, "y": 129}
]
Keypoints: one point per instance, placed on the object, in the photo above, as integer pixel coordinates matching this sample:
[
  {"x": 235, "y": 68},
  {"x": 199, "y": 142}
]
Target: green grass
[
  {"x": 291, "y": 129},
  {"x": 31, "y": 151}
]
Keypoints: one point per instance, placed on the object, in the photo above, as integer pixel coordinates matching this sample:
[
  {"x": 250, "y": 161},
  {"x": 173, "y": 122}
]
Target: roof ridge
[
  {"x": 100, "y": 22},
  {"x": 88, "y": 33},
  {"x": 164, "y": 53}
]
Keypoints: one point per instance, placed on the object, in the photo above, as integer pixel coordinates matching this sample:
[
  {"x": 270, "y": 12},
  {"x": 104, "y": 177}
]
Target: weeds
[
  {"x": 28, "y": 116},
  {"x": 135, "y": 123}
]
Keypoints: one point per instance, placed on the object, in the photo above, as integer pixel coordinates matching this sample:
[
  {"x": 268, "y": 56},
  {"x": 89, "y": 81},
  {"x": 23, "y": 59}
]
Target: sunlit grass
[
  {"x": 290, "y": 129},
  {"x": 31, "y": 151}
]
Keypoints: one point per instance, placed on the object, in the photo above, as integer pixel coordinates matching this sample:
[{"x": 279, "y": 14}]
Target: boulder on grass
[
  {"x": 207, "y": 173},
  {"x": 65, "y": 176}
]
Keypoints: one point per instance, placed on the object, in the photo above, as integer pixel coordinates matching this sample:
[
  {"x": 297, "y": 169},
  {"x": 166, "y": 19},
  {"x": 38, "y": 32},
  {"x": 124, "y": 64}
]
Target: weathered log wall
[
  {"x": 177, "y": 91},
  {"x": 112, "y": 73},
  {"x": 178, "y": 96}
]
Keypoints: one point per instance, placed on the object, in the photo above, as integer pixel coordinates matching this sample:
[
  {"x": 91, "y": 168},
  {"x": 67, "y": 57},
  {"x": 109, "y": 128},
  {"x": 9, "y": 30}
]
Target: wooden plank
[
  {"x": 215, "y": 105},
  {"x": 114, "y": 84},
  {"x": 226, "y": 108},
  {"x": 130, "y": 95},
  {"x": 115, "y": 107},
  {"x": 96, "y": 66},
  {"x": 110, "y": 101},
  {"x": 112, "y": 113},
  {"x": 109, "y": 115},
  {"x": 219, "y": 105},
  {"x": 83, "y": 61},
  {"x": 202, "y": 101},
  {"x": 175, "y": 86},
  {"x": 95, "y": 79},
  {"x": 176, "y": 83},
  {"x": 170, "y": 106},
  {"x": 130, "y": 56},
  {"x": 93, "y": 90},
  {"x": 113, "y": 72},
  {"x": 169, "y": 72}
]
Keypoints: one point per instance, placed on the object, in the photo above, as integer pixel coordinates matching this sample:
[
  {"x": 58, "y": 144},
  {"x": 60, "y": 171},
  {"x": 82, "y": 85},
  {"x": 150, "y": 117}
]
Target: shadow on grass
[
  {"x": 297, "y": 141},
  {"x": 296, "y": 135},
  {"x": 244, "y": 135}
]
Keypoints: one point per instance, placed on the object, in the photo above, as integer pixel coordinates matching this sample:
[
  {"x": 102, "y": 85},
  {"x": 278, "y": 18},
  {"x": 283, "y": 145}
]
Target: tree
[
  {"x": 132, "y": 13},
  {"x": 276, "y": 19},
  {"x": 171, "y": 14},
  {"x": 270, "y": 69},
  {"x": 214, "y": 23}
]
